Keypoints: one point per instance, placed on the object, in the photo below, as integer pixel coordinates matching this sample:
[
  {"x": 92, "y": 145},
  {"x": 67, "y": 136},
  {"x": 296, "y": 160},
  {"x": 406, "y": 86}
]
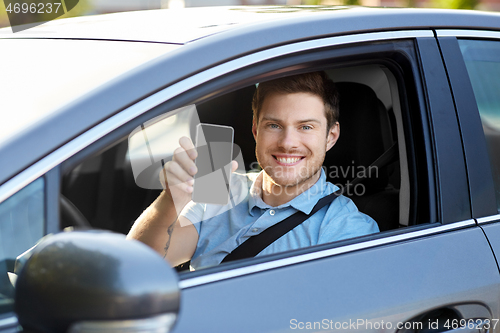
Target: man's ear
[
  {"x": 254, "y": 129},
  {"x": 333, "y": 136}
]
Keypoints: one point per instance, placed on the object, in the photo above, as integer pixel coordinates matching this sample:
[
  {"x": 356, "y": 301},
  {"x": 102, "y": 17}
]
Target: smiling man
[{"x": 295, "y": 123}]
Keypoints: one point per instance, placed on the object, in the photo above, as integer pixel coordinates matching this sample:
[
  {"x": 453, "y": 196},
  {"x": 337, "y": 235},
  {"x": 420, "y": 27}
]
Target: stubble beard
[{"x": 302, "y": 177}]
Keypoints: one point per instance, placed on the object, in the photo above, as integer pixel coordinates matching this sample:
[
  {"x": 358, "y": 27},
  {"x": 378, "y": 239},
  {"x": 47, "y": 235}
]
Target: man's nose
[{"x": 289, "y": 139}]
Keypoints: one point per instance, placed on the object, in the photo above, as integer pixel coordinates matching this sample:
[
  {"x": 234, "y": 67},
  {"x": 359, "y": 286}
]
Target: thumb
[{"x": 234, "y": 166}]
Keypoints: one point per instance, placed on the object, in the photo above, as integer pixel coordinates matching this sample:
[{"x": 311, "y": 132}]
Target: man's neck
[{"x": 275, "y": 195}]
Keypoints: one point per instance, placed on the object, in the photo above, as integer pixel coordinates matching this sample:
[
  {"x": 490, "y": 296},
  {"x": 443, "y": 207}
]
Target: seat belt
[
  {"x": 389, "y": 156},
  {"x": 255, "y": 244}
]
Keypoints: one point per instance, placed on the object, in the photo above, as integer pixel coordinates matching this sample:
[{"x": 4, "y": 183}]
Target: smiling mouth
[{"x": 288, "y": 160}]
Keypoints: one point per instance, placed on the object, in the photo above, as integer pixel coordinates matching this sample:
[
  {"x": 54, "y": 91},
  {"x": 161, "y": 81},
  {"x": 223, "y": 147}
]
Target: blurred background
[{"x": 89, "y": 7}]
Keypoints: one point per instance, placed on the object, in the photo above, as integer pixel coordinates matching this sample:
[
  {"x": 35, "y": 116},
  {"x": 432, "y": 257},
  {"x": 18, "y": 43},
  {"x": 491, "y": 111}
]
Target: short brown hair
[{"x": 316, "y": 83}]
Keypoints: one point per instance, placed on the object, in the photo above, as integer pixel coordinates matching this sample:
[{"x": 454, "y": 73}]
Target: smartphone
[{"x": 214, "y": 144}]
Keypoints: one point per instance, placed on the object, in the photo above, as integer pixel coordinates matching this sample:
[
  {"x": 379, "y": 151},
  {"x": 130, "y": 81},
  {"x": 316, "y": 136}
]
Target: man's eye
[
  {"x": 306, "y": 127},
  {"x": 273, "y": 126}
]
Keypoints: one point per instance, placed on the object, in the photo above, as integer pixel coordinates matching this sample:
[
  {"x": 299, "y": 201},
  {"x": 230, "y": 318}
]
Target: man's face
[{"x": 291, "y": 138}]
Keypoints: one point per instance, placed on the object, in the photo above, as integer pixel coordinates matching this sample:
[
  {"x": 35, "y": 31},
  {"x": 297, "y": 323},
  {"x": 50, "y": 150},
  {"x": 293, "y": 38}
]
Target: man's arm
[{"x": 160, "y": 226}]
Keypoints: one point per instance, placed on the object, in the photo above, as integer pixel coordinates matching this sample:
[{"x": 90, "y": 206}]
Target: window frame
[
  {"x": 480, "y": 178},
  {"x": 269, "y": 70}
]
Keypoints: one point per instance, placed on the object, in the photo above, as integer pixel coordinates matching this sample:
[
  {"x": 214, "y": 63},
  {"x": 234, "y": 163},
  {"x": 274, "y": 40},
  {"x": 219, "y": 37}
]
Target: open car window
[{"x": 111, "y": 189}]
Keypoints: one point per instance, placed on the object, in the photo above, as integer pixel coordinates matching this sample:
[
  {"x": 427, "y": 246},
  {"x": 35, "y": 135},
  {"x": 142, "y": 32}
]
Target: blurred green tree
[
  {"x": 455, "y": 4},
  {"x": 320, "y": 2}
]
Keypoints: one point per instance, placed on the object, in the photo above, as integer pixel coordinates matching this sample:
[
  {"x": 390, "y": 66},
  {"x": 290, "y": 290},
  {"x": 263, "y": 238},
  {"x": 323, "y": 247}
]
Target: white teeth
[{"x": 288, "y": 160}]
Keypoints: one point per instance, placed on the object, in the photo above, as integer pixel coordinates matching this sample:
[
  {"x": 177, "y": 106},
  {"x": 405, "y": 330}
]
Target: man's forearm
[{"x": 155, "y": 225}]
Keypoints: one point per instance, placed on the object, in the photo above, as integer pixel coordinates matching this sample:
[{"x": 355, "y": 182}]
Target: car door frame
[{"x": 481, "y": 183}]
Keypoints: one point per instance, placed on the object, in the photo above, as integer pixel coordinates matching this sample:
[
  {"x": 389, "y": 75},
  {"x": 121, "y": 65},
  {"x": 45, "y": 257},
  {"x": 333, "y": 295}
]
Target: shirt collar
[{"x": 304, "y": 202}]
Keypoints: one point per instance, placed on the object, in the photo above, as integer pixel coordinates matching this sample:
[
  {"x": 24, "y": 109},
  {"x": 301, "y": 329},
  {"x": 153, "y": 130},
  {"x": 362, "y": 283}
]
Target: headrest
[{"x": 363, "y": 137}]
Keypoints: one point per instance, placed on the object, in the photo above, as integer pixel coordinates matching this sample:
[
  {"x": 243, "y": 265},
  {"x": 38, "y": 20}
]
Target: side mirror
[{"x": 94, "y": 281}]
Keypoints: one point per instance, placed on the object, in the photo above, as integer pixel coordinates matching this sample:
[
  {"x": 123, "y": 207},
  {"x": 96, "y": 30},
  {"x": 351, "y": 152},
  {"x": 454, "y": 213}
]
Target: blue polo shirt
[{"x": 223, "y": 228}]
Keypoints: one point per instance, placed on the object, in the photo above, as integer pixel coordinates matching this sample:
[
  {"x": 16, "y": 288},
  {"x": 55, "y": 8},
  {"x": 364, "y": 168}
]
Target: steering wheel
[{"x": 71, "y": 215}]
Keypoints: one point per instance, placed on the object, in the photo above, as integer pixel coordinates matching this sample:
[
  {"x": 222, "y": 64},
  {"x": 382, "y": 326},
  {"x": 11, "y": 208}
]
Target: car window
[
  {"x": 22, "y": 224},
  {"x": 482, "y": 59},
  {"x": 113, "y": 188}
]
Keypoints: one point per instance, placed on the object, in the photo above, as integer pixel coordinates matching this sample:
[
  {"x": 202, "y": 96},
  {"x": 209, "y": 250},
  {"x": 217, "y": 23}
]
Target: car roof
[
  {"x": 176, "y": 26},
  {"x": 186, "y": 57},
  {"x": 181, "y": 26}
]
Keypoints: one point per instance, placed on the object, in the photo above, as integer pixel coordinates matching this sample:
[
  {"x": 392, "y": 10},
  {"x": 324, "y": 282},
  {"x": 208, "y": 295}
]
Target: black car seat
[{"x": 366, "y": 132}]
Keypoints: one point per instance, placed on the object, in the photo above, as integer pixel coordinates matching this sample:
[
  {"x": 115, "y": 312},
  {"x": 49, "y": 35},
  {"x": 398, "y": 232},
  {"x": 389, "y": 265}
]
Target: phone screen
[{"x": 214, "y": 144}]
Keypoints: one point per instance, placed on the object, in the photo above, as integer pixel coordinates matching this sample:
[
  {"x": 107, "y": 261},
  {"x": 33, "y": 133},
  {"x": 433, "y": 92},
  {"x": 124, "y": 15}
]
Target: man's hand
[{"x": 179, "y": 174}]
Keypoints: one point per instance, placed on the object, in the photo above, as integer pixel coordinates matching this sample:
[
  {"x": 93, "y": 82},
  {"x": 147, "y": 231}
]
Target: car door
[{"x": 423, "y": 276}]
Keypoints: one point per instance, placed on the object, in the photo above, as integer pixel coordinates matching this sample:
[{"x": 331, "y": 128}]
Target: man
[{"x": 295, "y": 123}]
